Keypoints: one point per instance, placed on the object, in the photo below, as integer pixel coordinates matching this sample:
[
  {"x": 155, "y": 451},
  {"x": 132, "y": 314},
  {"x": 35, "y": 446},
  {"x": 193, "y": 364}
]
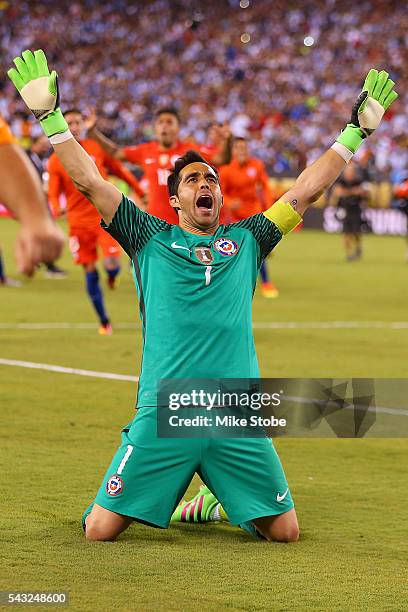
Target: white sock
[{"x": 215, "y": 514}]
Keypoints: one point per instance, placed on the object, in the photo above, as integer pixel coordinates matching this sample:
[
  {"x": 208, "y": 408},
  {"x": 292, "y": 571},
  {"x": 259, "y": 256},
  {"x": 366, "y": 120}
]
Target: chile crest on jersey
[{"x": 226, "y": 246}]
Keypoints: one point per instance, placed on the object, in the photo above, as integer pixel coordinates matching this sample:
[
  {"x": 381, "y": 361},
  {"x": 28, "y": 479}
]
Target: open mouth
[{"x": 204, "y": 202}]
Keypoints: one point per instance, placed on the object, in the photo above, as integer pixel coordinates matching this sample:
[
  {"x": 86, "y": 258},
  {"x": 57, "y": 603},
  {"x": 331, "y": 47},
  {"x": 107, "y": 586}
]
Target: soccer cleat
[
  {"x": 112, "y": 282},
  {"x": 105, "y": 329},
  {"x": 198, "y": 510},
  {"x": 269, "y": 290},
  {"x": 52, "y": 271},
  {"x": 10, "y": 282}
]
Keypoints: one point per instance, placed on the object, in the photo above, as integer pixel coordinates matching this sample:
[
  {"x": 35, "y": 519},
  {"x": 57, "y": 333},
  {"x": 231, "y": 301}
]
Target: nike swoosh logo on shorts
[
  {"x": 174, "y": 245},
  {"x": 280, "y": 498}
]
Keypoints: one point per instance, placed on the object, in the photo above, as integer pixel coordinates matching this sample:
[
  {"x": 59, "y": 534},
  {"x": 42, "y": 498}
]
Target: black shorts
[{"x": 352, "y": 222}]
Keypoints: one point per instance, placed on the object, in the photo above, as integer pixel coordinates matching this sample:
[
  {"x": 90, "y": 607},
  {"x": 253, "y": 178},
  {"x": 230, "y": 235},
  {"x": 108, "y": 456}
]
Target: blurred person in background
[
  {"x": 401, "y": 193},
  {"x": 85, "y": 233},
  {"x": 39, "y": 239},
  {"x": 351, "y": 196},
  {"x": 246, "y": 190},
  {"x": 38, "y": 154},
  {"x": 157, "y": 157}
]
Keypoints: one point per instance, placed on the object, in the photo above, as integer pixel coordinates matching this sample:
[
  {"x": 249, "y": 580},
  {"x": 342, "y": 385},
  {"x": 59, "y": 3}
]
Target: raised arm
[
  {"x": 376, "y": 96},
  {"x": 119, "y": 170},
  {"x": 313, "y": 181},
  {"x": 224, "y": 138},
  {"x": 109, "y": 146},
  {"x": 39, "y": 90}
]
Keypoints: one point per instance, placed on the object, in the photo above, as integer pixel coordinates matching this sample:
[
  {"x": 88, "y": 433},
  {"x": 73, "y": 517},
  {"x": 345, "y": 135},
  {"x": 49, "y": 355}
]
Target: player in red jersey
[
  {"x": 246, "y": 190},
  {"x": 157, "y": 157},
  {"x": 83, "y": 219}
]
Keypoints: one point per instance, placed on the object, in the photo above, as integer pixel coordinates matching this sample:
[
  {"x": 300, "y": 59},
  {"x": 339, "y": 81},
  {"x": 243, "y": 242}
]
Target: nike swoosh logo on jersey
[
  {"x": 174, "y": 245},
  {"x": 149, "y": 160},
  {"x": 280, "y": 498}
]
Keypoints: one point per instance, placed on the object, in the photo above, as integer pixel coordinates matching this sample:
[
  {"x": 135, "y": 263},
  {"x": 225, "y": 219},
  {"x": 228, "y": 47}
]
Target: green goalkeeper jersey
[{"x": 195, "y": 295}]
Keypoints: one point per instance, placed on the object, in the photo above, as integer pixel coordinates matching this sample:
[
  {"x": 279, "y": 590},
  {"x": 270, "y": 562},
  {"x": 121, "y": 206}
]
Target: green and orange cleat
[
  {"x": 105, "y": 329},
  {"x": 269, "y": 290}
]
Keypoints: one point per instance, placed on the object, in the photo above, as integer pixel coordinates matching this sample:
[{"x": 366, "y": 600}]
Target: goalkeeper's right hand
[{"x": 39, "y": 90}]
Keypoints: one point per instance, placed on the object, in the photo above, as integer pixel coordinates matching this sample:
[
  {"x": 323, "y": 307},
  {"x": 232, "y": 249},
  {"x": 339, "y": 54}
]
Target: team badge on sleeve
[
  {"x": 114, "y": 486},
  {"x": 225, "y": 246}
]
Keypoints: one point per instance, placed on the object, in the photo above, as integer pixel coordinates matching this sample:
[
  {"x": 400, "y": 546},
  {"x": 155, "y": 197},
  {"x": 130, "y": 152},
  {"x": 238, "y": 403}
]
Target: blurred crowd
[{"x": 284, "y": 73}]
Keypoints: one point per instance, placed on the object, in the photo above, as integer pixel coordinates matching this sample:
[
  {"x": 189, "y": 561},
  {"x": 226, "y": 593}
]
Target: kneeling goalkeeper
[{"x": 195, "y": 283}]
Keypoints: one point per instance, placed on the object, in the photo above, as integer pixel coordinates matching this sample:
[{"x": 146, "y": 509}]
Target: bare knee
[
  {"x": 104, "y": 526},
  {"x": 97, "y": 532},
  {"x": 280, "y": 528},
  {"x": 288, "y": 533}
]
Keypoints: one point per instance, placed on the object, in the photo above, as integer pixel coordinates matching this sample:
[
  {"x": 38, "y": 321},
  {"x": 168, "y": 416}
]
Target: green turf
[{"x": 59, "y": 432}]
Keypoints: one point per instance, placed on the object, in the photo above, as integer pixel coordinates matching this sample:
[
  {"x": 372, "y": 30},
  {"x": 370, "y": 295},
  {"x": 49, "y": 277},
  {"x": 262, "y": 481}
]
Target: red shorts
[{"x": 83, "y": 243}]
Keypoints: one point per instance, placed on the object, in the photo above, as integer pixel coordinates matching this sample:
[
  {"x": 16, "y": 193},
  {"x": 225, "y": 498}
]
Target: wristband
[
  {"x": 59, "y": 138},
  {"x": 343, "y": 151}
]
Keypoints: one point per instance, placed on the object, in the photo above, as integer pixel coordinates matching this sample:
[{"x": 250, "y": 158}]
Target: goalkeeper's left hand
[{"x": 376, "y": 96}]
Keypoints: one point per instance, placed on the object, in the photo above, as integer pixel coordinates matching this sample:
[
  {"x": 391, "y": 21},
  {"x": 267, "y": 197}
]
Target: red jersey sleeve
[
  {"x": 116, "y": 168},
  {"x": 208, "y": 152},
  {"x": 135, "y": 155},
  {"x": 54, "y": 184}
]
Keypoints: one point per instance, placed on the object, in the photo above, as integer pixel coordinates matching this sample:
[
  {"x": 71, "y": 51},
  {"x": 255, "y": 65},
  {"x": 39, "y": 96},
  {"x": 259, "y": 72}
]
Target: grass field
[{"x": 59, "y": 431}]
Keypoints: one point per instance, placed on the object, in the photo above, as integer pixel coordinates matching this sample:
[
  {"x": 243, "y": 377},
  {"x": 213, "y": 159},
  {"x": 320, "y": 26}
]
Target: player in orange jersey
[
  {"x": 157, "y": 157},
  {"x": 246, "y": 192},
  {"x": 39, "y": 239},
  {"x": 85, "y": 233}
]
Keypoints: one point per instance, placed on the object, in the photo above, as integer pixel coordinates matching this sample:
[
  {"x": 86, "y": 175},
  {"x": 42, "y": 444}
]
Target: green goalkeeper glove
[
  {"x": 39, "y": 90},
  {"x": 376, "y": 96}
]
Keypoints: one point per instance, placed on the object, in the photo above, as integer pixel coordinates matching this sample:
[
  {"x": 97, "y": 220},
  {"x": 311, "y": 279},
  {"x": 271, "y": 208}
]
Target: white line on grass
[
  {"x": 325, "y": 403},
  {"x": 112, "y": 376},
  {"x": 257, "y": 325},
  {"x": 63, "y": 370},
  {"x": 331, "y": 325}
]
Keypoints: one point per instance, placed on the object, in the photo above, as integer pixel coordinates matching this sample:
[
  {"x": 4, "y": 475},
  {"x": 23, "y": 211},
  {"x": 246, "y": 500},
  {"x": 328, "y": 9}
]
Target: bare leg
[
  {"x": 112, "y": 269},
  {"x": 279, "y": 528},
  {"x": 348, "y": 245},
  {"x": 104, "y": 525},
  {"x": 359, "y": 251}
]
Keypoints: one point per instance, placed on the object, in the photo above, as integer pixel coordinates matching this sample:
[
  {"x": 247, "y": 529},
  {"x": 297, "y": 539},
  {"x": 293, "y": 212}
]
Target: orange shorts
[{"x": 84, "y": 243}]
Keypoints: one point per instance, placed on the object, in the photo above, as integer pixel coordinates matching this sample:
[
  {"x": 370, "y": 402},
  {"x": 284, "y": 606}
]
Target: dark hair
[
  {"x": 170, "y": 110},
  {"x": 73, "y": 111},
  {"x": 190, "y": 157},
  {"x": 239, "y": 139}
]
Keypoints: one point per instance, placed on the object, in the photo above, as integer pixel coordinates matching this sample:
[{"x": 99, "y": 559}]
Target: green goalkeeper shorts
[{"x": 149, "y": 475}]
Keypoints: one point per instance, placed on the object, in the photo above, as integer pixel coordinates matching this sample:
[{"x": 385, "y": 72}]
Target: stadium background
[{"x": 291, "y": 96}]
